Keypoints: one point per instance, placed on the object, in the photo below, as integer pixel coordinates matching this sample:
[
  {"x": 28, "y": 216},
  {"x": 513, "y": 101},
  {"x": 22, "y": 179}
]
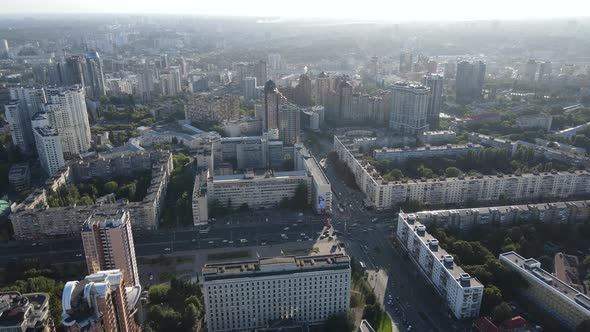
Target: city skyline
[{"x": 429, "y": 10}]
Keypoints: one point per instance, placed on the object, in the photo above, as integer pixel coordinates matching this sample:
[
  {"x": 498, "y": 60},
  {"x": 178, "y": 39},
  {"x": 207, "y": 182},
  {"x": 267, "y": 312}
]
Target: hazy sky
[{"x": 389, "y": 10}]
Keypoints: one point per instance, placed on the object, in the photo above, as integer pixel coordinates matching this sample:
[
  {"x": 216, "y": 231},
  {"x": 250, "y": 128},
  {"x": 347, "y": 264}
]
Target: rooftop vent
[
  {"x": 448, "y": 258},
  {"x": 465, "y": 277}
]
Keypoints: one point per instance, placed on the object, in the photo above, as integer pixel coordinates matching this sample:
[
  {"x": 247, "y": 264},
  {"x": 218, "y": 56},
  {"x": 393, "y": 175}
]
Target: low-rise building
[
  {"x": 541, "y": 121},
  {"x": 462, "y": 293},
  {"x": 555, "y": 297},
  {"x": 19, "y": 176},
  {"x": 25, "y": 312},
  {"x": 401, "y": 155},
  {"x": 245, "y": 295}
]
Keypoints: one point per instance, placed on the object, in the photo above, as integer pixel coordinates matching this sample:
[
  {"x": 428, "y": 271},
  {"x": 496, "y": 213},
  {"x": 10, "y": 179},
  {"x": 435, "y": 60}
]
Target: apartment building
[
  {"x": 462, "y": 293},
  {"x": 321, "y": 189},
  {"x": 100, "y": 302},
  {"x": 401, "y": 155},
  {"x": 437, "y": 137},
  {"x": 264, "y": 190},
  {"x": 206, "y": 107},
  {"x": 549, "y": 213},
  {"x": 33, "y": 218},
  {"x": 245, "y": 295},
  {"x": 108, "y": 244},
  {"x": 563, "y": 302},
  {"x": 199, "y": 203},
  {"x": 25, "y": 312},
  {"x": 385, "y": 194}
]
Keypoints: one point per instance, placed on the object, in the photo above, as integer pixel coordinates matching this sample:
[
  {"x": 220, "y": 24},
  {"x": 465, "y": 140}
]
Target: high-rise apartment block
[
  {"x": 24, "y": 104},
  {"x": 561, "y": 301},
  {"x": 95, "y": 80},
  {"x": 469, "y": 81},
  {"x": 68, "y": 115},
  {"x": 249, "y": 88},
  {"x": 290, "y": 123},
  {"x": 25, "y": 312},
  {"x": 102, "y": 302},
  {"x": 245, "y": 295},
  {"x": 4, "y": 49},
  {"x": 435, "y": 83},
  {"x": 108, "y": 244},
  {"x": 461, "y": 292},
  {"x": 409, "y": 108},
  {"x": 272, "y": 102},
  {"x": 405, "y": 62},
  {"x": 48, "y": 144}
]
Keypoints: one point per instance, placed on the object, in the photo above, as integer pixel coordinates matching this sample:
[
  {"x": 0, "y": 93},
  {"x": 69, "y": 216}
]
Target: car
[
  {"x": 262, "y": 243},
  {"x": 210, "y": 242},
  {"x": 34, "y": 244},
  {"x": 243, "y": 240},
  {"x": 78, "y": 255},
  {"x": 224, "y": 241},
  {"x": 298, "y": 240},
  {"x": 151, "y": 276},
  {"x": 230, "y": 242},
  {"x": 302, "y": 234},
  {"x": 286, "y": 228},
  {"x": 166, "y": 249},
  {"x": 309, "y": 239},
  {"x": 283, "y": 235},
  {"x": 194, "y": 240}
]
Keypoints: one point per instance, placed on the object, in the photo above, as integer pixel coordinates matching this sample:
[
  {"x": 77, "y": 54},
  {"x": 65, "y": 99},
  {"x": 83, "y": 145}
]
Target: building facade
[
  {"x": 435, "y": 83},
  {"x": 246, "y": 295},
  {"x": 409, "y": 109},
  {"x": 25, "y": 312},
  {"x": 108, "y": 244},
  {"x": 462, "y": 293},
  {"x": 469, "y": 81},
  {"x": 401, "y": 155},
  {"x": 558, "y": 299},
  {"x": 100, "y": 302}
]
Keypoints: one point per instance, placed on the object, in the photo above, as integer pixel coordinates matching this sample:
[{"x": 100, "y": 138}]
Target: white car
[
  {"x": 210, "y": 242},
  {"x": 243, "y": 240},
  {"x": 224, "y": 241},
  {"x": 166, "y": 249}
]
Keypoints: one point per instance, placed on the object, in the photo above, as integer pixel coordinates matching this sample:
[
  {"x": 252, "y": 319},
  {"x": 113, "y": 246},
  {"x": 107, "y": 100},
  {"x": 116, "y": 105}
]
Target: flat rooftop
[
  {"x": 533, "y": 267},
  {"x": 439, "y": 253},
  {"x": 274, "y": 266}
]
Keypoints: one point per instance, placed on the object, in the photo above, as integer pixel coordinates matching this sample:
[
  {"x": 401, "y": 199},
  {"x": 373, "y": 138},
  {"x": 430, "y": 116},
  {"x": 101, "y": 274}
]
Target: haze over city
[{"x": 266, "y": 166}]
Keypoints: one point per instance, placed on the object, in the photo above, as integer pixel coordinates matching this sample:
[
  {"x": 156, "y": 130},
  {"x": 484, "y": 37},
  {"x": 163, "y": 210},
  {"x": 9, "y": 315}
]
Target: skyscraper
[
  {"x": 322, "y": 88},
  {"x": 249, "y": 87},
  {"x": 4, "y": 47},
  {"x": 303, "y": 92},
  {"x": 435, "y": 83},
  {"x": 274, "y": 61},
  {"x": 145, "y": 84},
  {"x": 19, "y": 124},
  {"x": 48, "y": 144},
  {"x": 95, "y": 79},
  {"x": 344, "y": 100},
  {"x": 405, "y": 62},
  {"x": 108, "y": 244},
  {"x": 73, "y": 72},
  {"x": 68, "y": 115},
  {"x": 260, "y": 71},
  {"x": 409, "y": 108},
  {"x": 101, "y": 302},
  {"x": 469, "y": 81},
  {"x": 289, "y": 130},
  {"x": 272, "y": 101},
  {"x": 530, "y": 70}
]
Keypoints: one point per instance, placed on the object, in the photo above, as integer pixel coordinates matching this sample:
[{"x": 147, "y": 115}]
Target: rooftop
[
  {"x": 274, "y": 266},
  {"x": 439, "y": 254},
  {"x": 533, "y": 267}
]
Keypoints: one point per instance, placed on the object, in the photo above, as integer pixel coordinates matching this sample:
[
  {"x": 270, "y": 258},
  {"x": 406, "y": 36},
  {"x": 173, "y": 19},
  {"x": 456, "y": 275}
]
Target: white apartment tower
[
  {"x": 48, "y": 144},
  {"x": 462, "y": 293},
  {"x": 67, "y": 114},
  {"x": 409, "y": 108},
  {"x": 25, "y": 102},
  {"x": 246, "y": 295}
]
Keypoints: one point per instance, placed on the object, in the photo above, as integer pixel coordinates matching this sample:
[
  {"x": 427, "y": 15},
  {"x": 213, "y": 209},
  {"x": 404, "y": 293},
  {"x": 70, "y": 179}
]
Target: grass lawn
[{"x": 384, "y": 324}]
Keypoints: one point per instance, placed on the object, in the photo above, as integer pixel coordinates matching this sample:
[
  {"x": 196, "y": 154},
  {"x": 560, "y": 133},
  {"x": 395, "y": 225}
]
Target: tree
[
  {"x": 110, "y": 187},
  {"x": 158, "y": 293},
  {"x": 452, "y": 172},
  {"x": 501, "y": 312},
  {"x": 492, "y": 296},
  {"x": 394, "y": 175},
  {"x": 342, "y": 322},
  {"x": 373, "y": 314},
  {"x": 584, "y": 326}
]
